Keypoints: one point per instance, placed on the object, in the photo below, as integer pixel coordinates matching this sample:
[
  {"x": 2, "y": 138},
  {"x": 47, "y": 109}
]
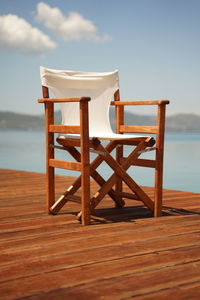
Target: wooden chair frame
[{"x": 119, "y": 165}]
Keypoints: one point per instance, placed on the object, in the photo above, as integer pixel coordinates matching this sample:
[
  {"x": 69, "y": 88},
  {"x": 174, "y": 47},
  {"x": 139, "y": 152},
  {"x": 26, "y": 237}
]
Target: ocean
[{"x": 25, "y": 150}]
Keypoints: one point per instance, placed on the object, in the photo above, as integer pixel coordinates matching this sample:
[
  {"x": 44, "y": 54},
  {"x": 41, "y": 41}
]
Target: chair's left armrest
[
  {"x": 62, "y": 100},
  {"x": 49, "y": 104}
]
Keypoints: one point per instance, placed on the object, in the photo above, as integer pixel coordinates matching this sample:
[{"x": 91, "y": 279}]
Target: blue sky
[{"x": 155, "y": 44}]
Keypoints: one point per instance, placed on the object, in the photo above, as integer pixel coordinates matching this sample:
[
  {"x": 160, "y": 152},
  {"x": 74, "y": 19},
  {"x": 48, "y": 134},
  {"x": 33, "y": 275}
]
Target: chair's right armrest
[
  {"x": 62, "y": 100},
  {"x": 143, "y": 102}
]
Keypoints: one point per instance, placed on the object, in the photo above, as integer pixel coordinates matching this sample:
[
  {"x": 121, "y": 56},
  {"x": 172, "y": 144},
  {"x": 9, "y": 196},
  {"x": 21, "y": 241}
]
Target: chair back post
[
  {"x": 85, "y": 161},
  {"x": 50, "y": 173},
  {"x": 159, "y": 159},
  {"x": 119, "y": 112}
]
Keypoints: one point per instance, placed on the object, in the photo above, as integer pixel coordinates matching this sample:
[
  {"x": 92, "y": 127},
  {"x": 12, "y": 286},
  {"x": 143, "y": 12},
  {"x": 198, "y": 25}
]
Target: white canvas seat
[
  {"x": 85, "y": 100},
  {"x": 104, "y": 136},
  {"x": 100, "y": 87}
]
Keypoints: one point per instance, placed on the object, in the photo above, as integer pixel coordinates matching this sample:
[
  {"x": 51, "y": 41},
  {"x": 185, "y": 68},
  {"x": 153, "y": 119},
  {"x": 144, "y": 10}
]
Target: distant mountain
[
  {"x": 178, "y": 122},
  {"x": 184, "y": 122},
  {"x": 10, "y": 120}
]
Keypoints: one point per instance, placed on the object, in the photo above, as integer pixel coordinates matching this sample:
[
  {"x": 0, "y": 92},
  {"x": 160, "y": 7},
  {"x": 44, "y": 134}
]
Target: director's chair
[{"x": 85, "y": 99}]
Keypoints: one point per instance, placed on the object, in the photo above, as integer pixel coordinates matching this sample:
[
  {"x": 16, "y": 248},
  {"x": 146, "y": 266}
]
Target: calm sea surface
[{"x": 25, "y": 150}]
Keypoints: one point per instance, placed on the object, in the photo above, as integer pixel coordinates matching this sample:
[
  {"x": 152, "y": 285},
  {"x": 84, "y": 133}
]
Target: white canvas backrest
[{"x": 99, "y": 86}]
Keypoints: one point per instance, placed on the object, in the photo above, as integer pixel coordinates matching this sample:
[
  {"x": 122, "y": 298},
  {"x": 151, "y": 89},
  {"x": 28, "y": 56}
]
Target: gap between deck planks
[{"x": 128, "y": 256}]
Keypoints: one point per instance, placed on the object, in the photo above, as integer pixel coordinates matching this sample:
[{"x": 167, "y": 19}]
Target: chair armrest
[
  {"x": 145, "y": 102},
  {"x": 62, "y": 100},
  {"x": 121, "y": 128}
]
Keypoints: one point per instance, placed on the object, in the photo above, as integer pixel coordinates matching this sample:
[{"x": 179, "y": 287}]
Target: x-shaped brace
[{"x": 106, "y": 186}]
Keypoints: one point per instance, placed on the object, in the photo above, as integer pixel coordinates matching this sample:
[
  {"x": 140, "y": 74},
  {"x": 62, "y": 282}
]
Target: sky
[{"x": 155, "y": 45}]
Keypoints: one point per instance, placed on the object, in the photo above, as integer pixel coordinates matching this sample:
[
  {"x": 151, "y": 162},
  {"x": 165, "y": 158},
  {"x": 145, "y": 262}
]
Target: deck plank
[{"x": 124, "y": 254}]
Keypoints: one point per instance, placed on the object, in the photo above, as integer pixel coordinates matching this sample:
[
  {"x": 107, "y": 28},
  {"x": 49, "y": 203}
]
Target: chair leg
[
  {"x": 158, "y": 186},
  {"x": 119, "y": 182},
  {"x": 159, "y": 161},
  {"x": 50, "y": 174},
  {"x": 85, "y": 194},
  {"x": 85, "y": 164},
  {"x": 50, "y": 186},
  {"x": 158, "y": 198}
]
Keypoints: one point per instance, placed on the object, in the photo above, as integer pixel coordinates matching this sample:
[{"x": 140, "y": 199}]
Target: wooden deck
[{"x": 124, "y": 254}]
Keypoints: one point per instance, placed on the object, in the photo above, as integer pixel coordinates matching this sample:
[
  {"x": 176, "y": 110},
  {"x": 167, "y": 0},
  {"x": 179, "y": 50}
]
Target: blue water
[{"x": 25, "y": 150}]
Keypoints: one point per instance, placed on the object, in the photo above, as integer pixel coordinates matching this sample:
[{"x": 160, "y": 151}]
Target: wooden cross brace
[{"x": 106, "y": 187}]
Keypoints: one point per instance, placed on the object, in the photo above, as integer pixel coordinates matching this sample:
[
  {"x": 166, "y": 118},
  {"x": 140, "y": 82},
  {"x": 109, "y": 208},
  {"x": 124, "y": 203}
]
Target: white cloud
[
  {"x": 17, "y": 33},
  {"x": 70, "y": 28}
]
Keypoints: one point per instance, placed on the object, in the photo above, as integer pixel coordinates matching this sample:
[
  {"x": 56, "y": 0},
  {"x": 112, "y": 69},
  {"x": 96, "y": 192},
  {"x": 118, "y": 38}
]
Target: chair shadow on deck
[
  {"x": 169, "y": 211},
  {"x": 131, "y": 213}
]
